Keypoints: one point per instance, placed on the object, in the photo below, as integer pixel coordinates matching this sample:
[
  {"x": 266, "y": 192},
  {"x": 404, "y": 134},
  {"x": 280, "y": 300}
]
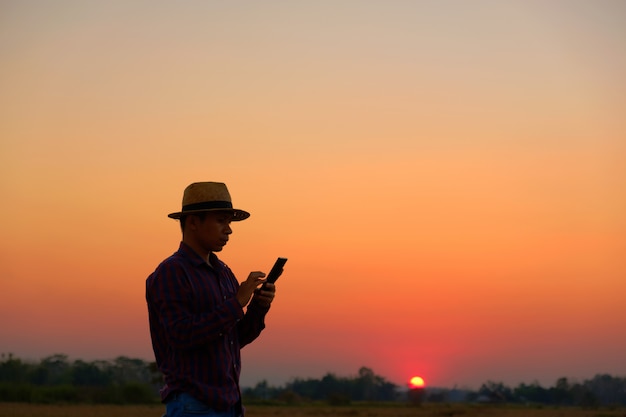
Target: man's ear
[{"x": 192, "y": 222}]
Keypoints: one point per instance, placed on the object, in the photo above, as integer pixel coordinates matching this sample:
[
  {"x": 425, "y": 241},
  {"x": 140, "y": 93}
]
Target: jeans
[{"x": 184, "y": 405}]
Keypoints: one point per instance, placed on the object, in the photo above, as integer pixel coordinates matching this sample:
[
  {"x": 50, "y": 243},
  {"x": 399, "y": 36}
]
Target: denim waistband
[{"x": 186, "y": 399}]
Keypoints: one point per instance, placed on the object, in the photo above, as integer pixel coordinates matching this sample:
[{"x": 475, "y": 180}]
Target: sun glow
[{"x": 417, "y": 382}]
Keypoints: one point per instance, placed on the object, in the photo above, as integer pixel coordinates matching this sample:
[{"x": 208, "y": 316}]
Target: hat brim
[{"x": 238, "y": 215}]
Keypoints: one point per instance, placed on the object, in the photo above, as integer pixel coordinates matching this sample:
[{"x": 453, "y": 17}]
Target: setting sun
[{"x": 417, "y": 382}]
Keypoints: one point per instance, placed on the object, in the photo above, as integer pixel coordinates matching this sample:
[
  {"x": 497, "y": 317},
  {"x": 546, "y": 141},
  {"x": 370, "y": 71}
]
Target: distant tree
[
  {"x": 13, "y": 369},
  {"x": 89, "y": 374},
  {"x": 365, "y": 385},
  {"x": 583, "y": 396},
  {"x": 533, "y": 393},
  {"x": 289, "y": 397},
  {"x": 261, "y": 391},
  {"x": 371, "y": 387},
  {"x": 561, "y": 393},
  {"x": 608, "y": 390},
  {"x": 125, "y": 369},
  {"x": 156, "y": 377},
  {"x": 55, "y": 370},
  {"x": 306, "y": 388},
  {"x": 332, "y": 387},
  {"x": 416, "y": 396},
  {"x": 496, "y": 392}
]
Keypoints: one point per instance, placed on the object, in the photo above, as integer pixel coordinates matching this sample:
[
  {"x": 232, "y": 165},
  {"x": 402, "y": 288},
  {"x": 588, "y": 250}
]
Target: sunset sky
[{"x": 447, "y": 179}]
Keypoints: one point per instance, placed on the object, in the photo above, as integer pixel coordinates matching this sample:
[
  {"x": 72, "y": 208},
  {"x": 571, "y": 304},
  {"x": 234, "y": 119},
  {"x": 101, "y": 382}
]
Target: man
[{"x": 196, "y": 309}]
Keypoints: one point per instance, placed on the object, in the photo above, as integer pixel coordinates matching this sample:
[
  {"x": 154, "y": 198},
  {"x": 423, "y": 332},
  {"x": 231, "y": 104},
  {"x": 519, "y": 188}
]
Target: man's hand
[
  {"x": 265, "y": 295},
  {"x": 248, "y": 287}
]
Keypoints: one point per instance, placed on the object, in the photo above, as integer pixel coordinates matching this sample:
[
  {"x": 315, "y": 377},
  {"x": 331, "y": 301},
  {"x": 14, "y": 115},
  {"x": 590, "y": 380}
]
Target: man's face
[{"x": 212, "y": 233}]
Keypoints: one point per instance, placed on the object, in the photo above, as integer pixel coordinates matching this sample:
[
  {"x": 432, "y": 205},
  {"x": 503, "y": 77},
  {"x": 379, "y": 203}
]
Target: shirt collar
[{"x": 196, "y": 260}]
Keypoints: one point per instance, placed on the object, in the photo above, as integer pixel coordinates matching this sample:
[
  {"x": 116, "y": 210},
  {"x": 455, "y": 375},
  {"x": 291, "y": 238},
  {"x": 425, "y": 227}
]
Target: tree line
[
  {"x": 601, "y": 390},
  {"x": 56, "y": 379},
  {"x": 125, "y": 380},
  {"x": 365, "y": 386}
]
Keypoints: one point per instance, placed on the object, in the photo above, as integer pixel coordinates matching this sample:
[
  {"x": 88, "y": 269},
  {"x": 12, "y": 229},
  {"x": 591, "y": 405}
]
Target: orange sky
[{"x": 446, "y": 179}]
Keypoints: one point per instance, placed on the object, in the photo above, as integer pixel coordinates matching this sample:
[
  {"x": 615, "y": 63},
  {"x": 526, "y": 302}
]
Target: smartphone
[{"x": 277, "y": 269}]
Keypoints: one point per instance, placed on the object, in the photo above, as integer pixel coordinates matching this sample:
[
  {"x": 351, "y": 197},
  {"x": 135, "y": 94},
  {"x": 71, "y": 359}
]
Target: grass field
[{"x": 429, "y": 410}]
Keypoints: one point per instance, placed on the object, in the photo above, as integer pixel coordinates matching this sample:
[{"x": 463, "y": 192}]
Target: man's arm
[{"x": 250, "y": 327}]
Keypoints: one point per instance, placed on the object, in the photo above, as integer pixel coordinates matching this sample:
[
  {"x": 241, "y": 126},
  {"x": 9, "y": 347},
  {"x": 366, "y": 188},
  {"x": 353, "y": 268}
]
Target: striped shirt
[{"x": 198, "y": 327}]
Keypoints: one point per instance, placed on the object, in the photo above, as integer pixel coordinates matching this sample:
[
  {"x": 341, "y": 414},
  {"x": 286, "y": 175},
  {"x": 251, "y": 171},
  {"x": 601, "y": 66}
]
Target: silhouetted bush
[
  {"x": 290, "y": 397},
  {"x": 54, "y": 394},
  {"x": 135, "y": 393},
  {"x": 338, "y": 399},
  {"x": 18, "y": 393}
]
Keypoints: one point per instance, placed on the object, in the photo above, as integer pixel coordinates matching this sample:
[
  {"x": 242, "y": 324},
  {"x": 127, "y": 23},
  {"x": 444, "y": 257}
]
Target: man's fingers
[{"x": 256, "y": 276}]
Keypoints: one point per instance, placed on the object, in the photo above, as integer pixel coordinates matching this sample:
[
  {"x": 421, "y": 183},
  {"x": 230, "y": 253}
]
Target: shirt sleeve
[
  {"x": 186, "y": 325},
  {"x": 253, "y": 322}
]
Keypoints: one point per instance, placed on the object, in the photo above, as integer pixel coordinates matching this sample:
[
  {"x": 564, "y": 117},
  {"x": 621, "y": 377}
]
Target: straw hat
[{"x": 208, "y": 196}]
